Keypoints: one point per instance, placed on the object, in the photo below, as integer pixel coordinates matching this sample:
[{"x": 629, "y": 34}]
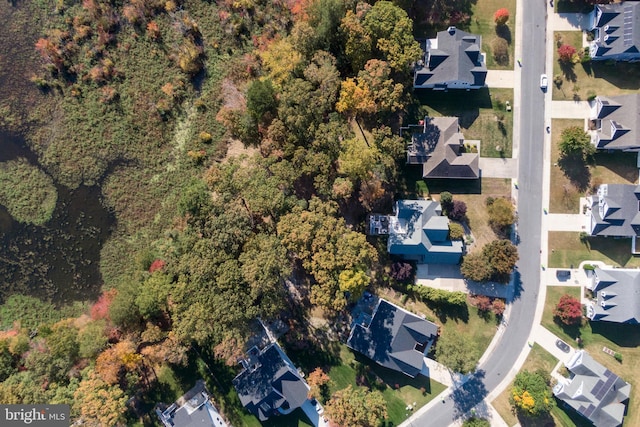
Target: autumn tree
[
  {"x": 456, "y": 231},
  {"x": 568, "y": 310},
  {"x": 358, "y": 43},
  {"x": 501, "y": 16},
  {"x": 475, "y": 267},
  {"x": 576, "y": 143},
  {"x": 318, "y": 380},
  {"x": 401, "y": 271},
  {"x": 457, "y": 352},
  {"x": 92, "y": 339},
  {"x": 501, "y": 213},
  {"x": 566, "y": 53},
  {"x": 498, "y": 306},
  {"x": 458, "y": 211},
  {"x": 356, "y": 407},
  {"x": 483, "y": 303},
  {"x": 280, "y": 60},
  {"x": 531, "y": 393},
  {"x": 101, "y": 404}
]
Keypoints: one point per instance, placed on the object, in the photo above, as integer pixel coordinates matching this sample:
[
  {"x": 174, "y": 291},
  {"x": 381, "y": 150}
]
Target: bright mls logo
[{"x": 36, "y": 415}]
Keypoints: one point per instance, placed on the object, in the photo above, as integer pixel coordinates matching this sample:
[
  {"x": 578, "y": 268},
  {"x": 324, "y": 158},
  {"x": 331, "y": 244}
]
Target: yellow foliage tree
[{"x": 280, "y": 59}]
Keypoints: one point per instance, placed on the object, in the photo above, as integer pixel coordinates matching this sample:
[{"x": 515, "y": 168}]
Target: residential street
[{"x": 498, "y": 368}]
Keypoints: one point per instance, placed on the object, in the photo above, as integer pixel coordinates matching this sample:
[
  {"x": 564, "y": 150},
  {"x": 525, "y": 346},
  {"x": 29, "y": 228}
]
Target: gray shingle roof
[
  {"x": 618, "y": 31},
  {"x": 193, "y": 409},
  {"x": 619, "y": 117},
  {"x": 438, "y": 148},
  {"x": 616, "y": 211},
  {"x": 269, "y": 382},
  {"x": 419, "y": 229},
  {"x": 594, "y": 392},
  {"x": 391, "y": 338},
  {"x": 617, "y": 295},
  {"x": 453, "y": 56}
]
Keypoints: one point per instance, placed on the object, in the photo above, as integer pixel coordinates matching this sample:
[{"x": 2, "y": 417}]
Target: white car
[{"x": 544, "y": 81}]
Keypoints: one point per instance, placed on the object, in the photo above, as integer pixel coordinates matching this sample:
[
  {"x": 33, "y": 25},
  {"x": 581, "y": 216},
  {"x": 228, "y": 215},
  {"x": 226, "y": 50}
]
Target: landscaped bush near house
[
  {"x": 456, "y": 231},
  {"x": 566, "y": 53},
  {"x": 438, "y": 296},
  {"x": 501, "y": 16},
  {"x": 568, "y": 310},
  {"x": 500, "y": 49},
  {"x": 401, "y": 272}
]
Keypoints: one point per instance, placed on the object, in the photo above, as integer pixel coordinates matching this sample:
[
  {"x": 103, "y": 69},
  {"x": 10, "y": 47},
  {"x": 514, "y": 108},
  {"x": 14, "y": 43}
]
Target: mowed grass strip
[
  {"x": 482, "y": 23},
  {"x": 572, "y": 180},
  {"x": 566, "y": 249}
]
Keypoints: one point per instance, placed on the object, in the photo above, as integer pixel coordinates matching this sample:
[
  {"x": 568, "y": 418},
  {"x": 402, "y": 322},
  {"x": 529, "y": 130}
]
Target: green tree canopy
[
  {"x": 457, "y": 352},
  {"x": 531, "y": 393},
  {"x": 357, "y": 407},
  {"x": 574, "y": 141},
  {"x": 501, "y": 213}
]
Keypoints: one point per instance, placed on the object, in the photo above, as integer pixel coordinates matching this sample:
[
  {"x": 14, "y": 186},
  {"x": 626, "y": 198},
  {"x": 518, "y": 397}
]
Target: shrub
[
  {"x": 618, "y": 357},
  {"x": 566, "y": 53},
  {"x": 500, "y": 49},
  {"x": 401, "y": 272},
  {"x": 456, "y": 231},
  {"x": 439, "y": 296},
  {"x": 446, "y": 200},
  {"x": 557, "y": 79},
  {"x": 498, "y": 306},
  {"x": 568, "y": 310},
  {"x": 588, "y": 267},
  {"x": 501, "y": 16},
  {"x": 483, "y": 303},
  {"x": 489, "y": 201},
  {"x": 458, "y": 211}
]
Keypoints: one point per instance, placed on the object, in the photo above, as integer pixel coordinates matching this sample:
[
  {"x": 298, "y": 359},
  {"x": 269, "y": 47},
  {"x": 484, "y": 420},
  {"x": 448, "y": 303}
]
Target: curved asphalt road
[{"x": 489, "y": 375}]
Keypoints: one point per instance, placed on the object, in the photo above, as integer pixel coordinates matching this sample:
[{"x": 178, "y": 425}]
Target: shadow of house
[
  {"x": 193, "y": 409},
  {"x": 452, "y": 60},
  {"x": 616, "y": 119},
  {"x": 269, "y": 384},
  {"x": 393, "y": 338},
  {"x": 616, "y": 30},
  {"x": 615, "y": 212},
  {"x": 594, "y": 392},
  {"x": 419, "y": 232},
  {"x": 617, "y": 294},
  {"x": 439, "y": 148}
]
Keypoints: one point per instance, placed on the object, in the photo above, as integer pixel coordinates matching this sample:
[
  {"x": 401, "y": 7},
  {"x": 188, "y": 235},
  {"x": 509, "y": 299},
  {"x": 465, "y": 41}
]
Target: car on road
[
  {"x": 544, "y": 81},
  {"x": 563, "y": 346}
]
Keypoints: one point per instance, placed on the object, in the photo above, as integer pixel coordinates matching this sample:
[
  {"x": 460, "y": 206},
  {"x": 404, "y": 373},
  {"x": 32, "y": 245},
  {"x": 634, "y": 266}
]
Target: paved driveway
[
  {"x": 548, "y": 341},
  {"x": 567, "y": 222},
  {"x": 499, "y": 78},
  {"x": 570, "y": 110},
  {"x": 568, "y": 21},
  {"x": 498, "y": 168}
]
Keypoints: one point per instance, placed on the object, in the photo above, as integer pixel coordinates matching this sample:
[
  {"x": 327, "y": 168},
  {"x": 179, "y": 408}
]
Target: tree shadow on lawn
[
  {"x": 576, "y": 170},
  {"x": 504, "y": 31},
  {"x": 544, "y": 420},
  {"x": 621, "y": 164},
  {"x": 568, "y": 71},
  {"x": 457, "y": 102},
  {"x": 445, "y": 312}
]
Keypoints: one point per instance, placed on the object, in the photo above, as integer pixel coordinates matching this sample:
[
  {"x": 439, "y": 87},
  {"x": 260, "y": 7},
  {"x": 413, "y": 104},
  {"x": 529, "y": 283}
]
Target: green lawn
[
  {"x": 566, "y": 249},
  {"x": 624, "y": 339},
  {"x": 571, "y": 180},
  {"x": 592, "y": 78},
  {"x": 482, "y": 115},
  {"x": 482, "y": 23},
  {"x": 398, "y": 389},
  {"x": 538, "y": 358}
]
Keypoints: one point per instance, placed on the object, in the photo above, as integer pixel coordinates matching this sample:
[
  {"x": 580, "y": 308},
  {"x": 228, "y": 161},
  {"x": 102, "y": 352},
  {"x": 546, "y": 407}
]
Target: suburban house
[
  {"x": 269, "y": 383},
  {"x": 593, "y": 391},
  {"x": 616, "y": 30},
  {"x": 615, "y": 120},
  {"x": 392, "y": 337},
  {"x": 617, "y": 295},
  {"x": 419, "y": 232},
  {"x": 451, "y": 61},
  {"x": 440, "y": 148},
  {"x": 614, "y": 211},
  {"x": 194, "y": 409}
]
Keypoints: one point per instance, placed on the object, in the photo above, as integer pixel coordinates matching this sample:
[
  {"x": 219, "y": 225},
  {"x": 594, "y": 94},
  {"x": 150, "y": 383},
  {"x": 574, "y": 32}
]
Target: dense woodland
[{"x": 142, "y": 98}]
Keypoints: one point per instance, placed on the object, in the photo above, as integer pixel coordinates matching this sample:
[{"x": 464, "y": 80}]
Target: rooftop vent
[{"x": 451, "y": 30}]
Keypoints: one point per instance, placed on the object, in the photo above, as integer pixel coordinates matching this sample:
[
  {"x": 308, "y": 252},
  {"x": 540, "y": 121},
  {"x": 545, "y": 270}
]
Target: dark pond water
[{"x": 58, "y": 261}]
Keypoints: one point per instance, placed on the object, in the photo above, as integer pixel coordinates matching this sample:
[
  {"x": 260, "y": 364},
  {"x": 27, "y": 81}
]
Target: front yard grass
[
  {"x": 566, "y": 249},
  {"x": 538, "y": 358},
  {"x": 482, "y": 113},
  {"x": 476, "y": 209},
  {"x": 398, "y": 389},
  {"x": 620, "y": 338},
  {"x": 581, "y": 81},
  {"x": 482, "y": 23},
  {"x": 570, "y": 181},
  {"x": 467, "y": 322}
]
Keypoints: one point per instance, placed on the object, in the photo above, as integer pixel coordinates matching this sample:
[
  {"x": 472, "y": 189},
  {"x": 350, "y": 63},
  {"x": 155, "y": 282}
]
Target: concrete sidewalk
[
  {"x": 498, "y": 168},
  {"x": 570, "y": 110},
  {"x": 500, "y": 79}
]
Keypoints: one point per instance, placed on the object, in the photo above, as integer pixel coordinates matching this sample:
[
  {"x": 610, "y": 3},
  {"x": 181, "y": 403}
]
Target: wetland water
[{"x": 58, "y": 261}]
